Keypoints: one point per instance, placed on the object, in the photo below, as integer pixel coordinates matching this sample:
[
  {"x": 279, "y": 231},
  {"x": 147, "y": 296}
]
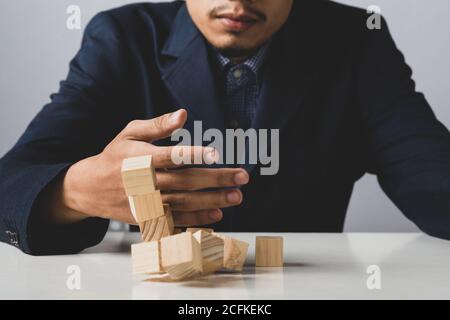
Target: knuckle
[
  {"x": 167, "y": 156},
  {"x": 185, "y": 185},
  {"x": 132, "y": 124},
  {"x": 220, "y": 199},
  {"x": 186, "y": 180},
  {"x": 160, "y": 158},
  {"x": 136, "y": 149},
  {"x": 185, "y": 219},
  {"x": 158, "y": 123},
  {"x": 221, "y": 178},
  {"x": 179, "y": 200},
  {"x": 179, "y": 218}
]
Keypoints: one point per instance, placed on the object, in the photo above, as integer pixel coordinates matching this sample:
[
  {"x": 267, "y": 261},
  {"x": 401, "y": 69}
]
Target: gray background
[{"x": 36, "y": 46}]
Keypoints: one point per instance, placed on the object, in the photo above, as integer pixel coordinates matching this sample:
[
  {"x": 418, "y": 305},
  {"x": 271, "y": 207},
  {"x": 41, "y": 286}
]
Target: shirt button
[
  {"x": 237, "y": 73},
  {"x": 234, "y": 124}
]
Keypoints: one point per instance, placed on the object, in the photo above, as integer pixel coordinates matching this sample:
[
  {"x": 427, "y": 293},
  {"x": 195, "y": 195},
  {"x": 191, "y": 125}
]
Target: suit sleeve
[
  {"x": 408, "y": 148},
  {"x": 78, "y": 122}
]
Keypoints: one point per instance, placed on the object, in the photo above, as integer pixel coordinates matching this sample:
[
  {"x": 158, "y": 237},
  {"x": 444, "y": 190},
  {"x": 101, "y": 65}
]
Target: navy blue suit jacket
[{"x": 341, "y": 95}]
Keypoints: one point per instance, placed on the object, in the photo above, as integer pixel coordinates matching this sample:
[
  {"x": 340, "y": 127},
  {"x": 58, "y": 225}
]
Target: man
[{"x": 340, "y": 94}]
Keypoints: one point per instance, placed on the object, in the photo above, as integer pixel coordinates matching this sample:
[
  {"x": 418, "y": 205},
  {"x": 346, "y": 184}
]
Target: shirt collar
[{"x": 254, "y": 62}]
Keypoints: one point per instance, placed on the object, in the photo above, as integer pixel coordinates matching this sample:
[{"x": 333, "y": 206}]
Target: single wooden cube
[
  {"x": 181, "y": 256},
  {"x": 235, "y": 253},
  {"x": 269, "y": 251},
  {"x": 146, "y": 258},
  {"x": 194, "y": 230},
  {"x": 155, "y": 229},
  {"x": 212, "y": 251},
  {"x": 147, "y": 206},
  {"x": 138, "y": 176}
]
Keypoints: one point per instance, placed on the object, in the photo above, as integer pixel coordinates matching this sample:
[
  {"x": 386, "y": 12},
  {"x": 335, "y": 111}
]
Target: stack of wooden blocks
[
  {"x": 139, "y": 179},
  {"x": 198, "y": 251}
]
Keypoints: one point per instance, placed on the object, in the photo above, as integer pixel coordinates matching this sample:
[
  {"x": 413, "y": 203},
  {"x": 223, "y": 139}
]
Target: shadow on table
[{"x": 249, "y": 274}]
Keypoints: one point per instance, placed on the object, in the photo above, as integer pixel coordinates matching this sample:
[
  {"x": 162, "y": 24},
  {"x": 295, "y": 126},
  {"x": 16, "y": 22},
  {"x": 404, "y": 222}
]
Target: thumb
[{"x": 156, "y": 128}]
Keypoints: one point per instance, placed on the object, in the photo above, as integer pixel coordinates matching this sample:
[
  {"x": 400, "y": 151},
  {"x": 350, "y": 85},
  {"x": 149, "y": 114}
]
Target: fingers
[
  {"x": 162, "y": 127},
  {"x": 195, "y": 201},
  {"x": 188, "y": 208},
  {"x": 181, "y": 218},
  {"x": 199, "y": 178},
  {"x": 197, "y": 218},
  {"x": 123, "y": 214},
  {"x": 157, "y": 128},
  {"x": 172, "y": 157}
]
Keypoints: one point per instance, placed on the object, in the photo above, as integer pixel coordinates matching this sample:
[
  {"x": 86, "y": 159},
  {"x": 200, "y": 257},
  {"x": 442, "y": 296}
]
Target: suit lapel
[
  {"x": 188, "y": 75},
  {"x": 290, "y": 70}
]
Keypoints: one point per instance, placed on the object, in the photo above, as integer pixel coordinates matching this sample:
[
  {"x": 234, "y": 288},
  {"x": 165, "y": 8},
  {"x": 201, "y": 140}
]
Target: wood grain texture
[
  {"x": 155, "y": 229},
  {"x": 212, "y": 247},
  {"x": 138, "y": 176},
  {"x": 181, "y": 256},
  {"x": 169, "y": 216},
  {"x": 269, "y": 251},
  {"x": 235, "y": 253},
  {"x": 146, "y": 258},
  {"x": 147, "y": 206}
]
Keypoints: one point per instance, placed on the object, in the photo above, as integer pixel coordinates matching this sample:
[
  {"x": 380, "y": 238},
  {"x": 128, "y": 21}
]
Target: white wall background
[{"x": 36, "y": 46}]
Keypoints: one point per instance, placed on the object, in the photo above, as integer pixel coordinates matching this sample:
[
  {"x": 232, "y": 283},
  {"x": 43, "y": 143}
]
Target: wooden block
[
  {"x": 155, "y": 229},
  {"x": 138, "y": 176},
  {"x": 194, "y": 230},
  {"x": 181, "y": 256},
  {"x": 212, "y": 248},
  {"x": 235, "y": 253},
  {"x": 168, "y": 214},
  {"x": 147, "y": 206},
  {"x": 146, "y": 258},
  {"x": 269, "y": 252}
]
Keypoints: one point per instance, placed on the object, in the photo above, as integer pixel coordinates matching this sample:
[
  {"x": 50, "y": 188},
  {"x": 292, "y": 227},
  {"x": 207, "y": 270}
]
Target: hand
[{"x": 93, "y": 187}]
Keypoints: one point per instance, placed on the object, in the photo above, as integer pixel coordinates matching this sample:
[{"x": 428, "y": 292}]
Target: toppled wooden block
[
  {"x": 155, "y": 229},
  {"x": 169, "y": 217},
  {"x": 181, "y": 256},
  {"x": 138, "y": 175},
  {"x": 147, "y": 206},
  {"x": 212, "y": 248},
  {"x": 235, "y": 253},
  {"x": 194, "y": 230},
  {"x": 146, "y": 258},
  {"x": 269, "y": 251}
]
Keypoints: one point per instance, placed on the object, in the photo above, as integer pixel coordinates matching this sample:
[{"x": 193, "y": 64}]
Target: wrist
[{"x": 66, "y": 199}]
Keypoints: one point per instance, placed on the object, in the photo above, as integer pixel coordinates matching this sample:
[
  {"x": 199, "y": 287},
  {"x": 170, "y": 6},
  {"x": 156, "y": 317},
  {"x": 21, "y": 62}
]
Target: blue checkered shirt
[{"x": 242, "y": 89}]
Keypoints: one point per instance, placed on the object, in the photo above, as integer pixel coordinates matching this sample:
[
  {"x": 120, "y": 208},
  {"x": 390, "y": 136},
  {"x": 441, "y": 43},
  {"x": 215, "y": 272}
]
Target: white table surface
[{"x": 317, "y": 266}]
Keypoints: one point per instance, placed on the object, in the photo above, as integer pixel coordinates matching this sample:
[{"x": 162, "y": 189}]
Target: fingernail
[
  {"x": 173, "y": 118},
  {"x": 215, "y": 215},
  {"x": 241, "y": 178},
  {"x": 233, "y": 197}
]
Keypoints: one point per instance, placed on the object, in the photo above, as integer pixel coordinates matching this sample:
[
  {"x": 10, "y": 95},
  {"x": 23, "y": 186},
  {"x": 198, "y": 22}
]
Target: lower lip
[{"x": 237, "y": 25}]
